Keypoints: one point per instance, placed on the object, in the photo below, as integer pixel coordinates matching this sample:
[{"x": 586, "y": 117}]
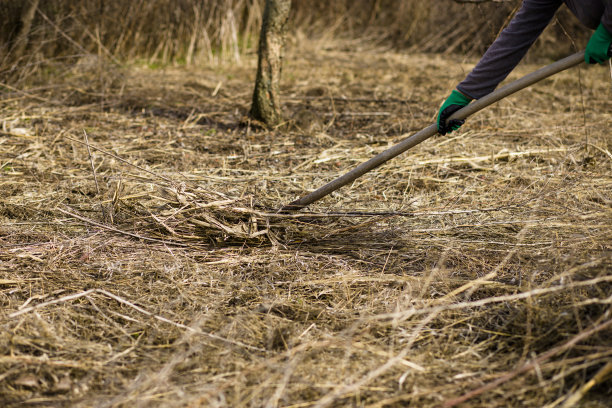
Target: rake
[{"x": 431, "y": 130}]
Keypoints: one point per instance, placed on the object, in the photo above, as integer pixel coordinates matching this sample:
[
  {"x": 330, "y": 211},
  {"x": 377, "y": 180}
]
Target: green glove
[
  {"x": 455, "y": 101},
  {"x": 599, "y": 47}
]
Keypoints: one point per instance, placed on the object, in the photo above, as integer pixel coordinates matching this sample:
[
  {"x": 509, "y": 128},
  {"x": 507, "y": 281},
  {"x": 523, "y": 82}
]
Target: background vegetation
[{"x": 202, "y": 31}]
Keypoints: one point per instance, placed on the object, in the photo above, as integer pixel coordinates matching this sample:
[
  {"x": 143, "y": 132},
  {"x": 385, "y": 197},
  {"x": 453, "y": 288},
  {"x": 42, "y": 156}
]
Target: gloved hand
[
  {"x": 599, "y": 48},
  {"x": 455, "y": 101}
]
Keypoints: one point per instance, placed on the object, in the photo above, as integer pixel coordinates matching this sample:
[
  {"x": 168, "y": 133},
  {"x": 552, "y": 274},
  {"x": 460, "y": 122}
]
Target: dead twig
[
  {"x": 118, "y": 231},
  {"x": 121, "y": 300},
  {"x": 597, "y": 379},
  {"x": 114, "y": 156}
]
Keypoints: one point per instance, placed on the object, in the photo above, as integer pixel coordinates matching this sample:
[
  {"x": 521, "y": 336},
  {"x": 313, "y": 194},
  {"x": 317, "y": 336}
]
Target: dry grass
[{"x": 475, "y": 263}]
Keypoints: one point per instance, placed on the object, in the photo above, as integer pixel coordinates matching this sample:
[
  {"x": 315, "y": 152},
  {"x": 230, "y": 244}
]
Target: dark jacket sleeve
[{"x": 510, "y": 47}]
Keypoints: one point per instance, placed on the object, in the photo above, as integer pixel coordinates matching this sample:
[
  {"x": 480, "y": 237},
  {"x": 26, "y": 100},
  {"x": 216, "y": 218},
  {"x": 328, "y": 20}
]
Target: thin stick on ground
[
  {"x": 180, "y": 325},
  {"x": 118, "y": 231},
  {"x": 119, "y": 299},
  {"x": 114, "y": 156},
  {"x": 52, "y": 302}
]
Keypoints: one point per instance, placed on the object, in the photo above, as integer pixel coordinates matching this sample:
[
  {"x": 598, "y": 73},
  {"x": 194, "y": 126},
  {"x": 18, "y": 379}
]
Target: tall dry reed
[{"x": 205, "y": 31}]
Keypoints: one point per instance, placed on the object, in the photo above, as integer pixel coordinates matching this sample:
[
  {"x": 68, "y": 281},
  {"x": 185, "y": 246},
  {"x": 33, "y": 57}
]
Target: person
[{"x": 514, "y": 41}]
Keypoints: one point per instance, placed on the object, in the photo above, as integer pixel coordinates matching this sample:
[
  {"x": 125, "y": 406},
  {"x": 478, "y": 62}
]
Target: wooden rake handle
[{"x": 431, "y": 130}]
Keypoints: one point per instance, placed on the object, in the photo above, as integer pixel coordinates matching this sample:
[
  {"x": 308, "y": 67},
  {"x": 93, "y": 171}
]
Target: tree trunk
[{"x": 266, "y": 105}]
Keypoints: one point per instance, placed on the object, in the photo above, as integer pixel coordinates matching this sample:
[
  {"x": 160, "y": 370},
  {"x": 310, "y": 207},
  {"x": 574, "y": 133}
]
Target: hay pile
[{"x": 143, "y": 263}]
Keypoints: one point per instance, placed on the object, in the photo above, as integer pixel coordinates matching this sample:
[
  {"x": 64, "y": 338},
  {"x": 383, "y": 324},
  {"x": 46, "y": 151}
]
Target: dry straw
[{"x": 146, "y": 265}]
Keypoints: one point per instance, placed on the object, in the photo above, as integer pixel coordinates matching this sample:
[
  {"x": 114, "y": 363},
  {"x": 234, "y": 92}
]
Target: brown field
[{"x": 474, "y": 265}]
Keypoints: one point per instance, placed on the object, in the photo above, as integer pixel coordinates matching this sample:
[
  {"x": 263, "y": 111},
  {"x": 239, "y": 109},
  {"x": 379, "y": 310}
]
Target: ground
[{"x": 143, "y": 261}]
